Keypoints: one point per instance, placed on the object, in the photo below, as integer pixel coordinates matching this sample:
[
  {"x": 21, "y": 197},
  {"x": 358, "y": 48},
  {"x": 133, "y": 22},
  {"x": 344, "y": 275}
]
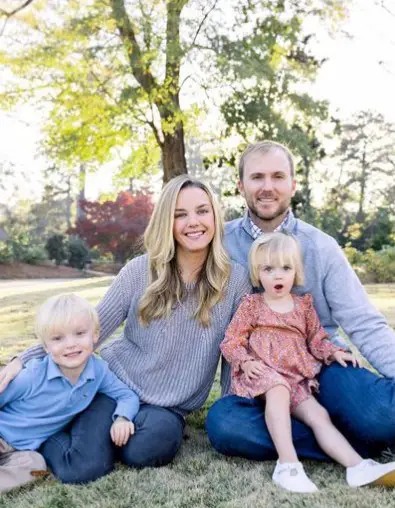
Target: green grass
[{"x": 199, "y": 477}]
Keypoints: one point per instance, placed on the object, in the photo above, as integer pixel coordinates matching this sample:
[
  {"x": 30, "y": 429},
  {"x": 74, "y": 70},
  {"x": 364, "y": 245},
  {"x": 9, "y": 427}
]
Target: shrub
[
  {"x": 5, "y": 253},
  {"x": 79, "y": 254},
  {"x": 57, "y": 248},
  {"x": 34, "y": 254}
]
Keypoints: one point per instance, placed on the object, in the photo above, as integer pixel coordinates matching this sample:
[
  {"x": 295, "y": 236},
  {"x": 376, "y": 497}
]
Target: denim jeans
[
  {"x": 84, "y": 451},
  {"x": 361, "y": 405}
]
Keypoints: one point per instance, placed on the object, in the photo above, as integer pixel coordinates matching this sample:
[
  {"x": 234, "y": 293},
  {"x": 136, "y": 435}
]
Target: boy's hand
[
  {"x": 121, "y": 430},
  {"x": 343, "y": 357},
  {"x": 9, "y": 372},
  {"x": 253, "y": 369}
]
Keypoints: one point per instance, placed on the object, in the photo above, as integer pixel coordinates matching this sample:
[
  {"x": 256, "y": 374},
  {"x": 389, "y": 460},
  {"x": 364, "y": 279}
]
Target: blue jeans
[
  {"x": 84, "y": 451},
  {"x": 361, "y": 405}
]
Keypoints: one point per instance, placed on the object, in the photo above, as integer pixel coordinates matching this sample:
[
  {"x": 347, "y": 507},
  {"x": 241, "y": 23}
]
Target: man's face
[{"x": 267, "y": 187}]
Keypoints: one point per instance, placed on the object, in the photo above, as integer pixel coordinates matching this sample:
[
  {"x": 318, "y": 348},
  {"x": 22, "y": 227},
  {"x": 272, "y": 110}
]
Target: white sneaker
[
  {"x": 291, "y": 476},
  {"x": 370, "y": 472}
]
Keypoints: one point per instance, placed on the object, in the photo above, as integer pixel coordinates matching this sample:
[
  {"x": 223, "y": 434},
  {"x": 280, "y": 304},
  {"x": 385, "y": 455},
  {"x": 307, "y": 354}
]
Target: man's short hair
[{"x": 263, "y": 147}]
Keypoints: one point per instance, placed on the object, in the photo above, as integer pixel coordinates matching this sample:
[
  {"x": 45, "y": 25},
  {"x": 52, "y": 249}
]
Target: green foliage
[
  {"x": 21, "y": 247},
  {"x": 108, "y": 73},
  {"x": 5, "y": 252},
  {"x": 371, "y": 265},
  {"x": 56, "y": 248},
  {"x": 79, "y": 253}
]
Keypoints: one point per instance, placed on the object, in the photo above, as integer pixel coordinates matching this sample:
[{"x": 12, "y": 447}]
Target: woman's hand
[
  {"x": 343, "y": 357},
  {"x": 9, "y": 372},
  {"x": 253, "y": 369},
  {"x": 121, "y": 430}
]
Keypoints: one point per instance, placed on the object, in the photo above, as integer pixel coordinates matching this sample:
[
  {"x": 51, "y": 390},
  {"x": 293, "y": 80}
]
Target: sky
[{"x": 359, "y": 74}]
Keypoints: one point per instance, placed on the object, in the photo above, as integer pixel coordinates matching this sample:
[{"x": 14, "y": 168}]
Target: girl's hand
[
  {"x": 253, "y": 369},
  {"x": 121, "y": 430},
  {"x": 9, "y": 372},
  {"x": 343, "y": 357}
]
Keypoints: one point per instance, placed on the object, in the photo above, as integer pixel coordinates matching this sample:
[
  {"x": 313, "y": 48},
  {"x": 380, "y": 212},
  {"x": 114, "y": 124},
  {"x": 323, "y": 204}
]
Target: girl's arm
[
  {"x": 317, "y": 339},
  {"x": 234, "y": 347}
]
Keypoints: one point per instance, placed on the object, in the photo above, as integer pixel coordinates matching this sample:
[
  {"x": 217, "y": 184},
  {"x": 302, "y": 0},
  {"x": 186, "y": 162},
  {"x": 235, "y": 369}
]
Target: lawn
[{"x": 199, "y": 477}]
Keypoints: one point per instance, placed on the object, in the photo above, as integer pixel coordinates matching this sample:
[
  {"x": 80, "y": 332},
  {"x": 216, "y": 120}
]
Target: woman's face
[{"x": 194, "y": 223}]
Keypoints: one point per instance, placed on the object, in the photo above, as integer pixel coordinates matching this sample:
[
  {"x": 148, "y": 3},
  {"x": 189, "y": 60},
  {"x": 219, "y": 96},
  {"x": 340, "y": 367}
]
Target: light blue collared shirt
[{"x": 40, "y": 401}]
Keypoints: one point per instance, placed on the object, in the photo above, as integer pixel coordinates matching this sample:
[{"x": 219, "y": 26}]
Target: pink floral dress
[{"x": 291, "y": 346}]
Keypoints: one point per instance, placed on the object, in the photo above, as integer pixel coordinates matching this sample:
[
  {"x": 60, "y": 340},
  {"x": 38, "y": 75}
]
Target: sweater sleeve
[
  {"x": 317, "y": 339},
  {"x": 352, "y": 310},
  {"x": 235, "y": 346}
]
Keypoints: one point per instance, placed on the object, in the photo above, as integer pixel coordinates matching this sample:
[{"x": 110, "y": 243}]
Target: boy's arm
[
  {"x": 128, "y": 402},
  {"x": 351, "y": 309}
]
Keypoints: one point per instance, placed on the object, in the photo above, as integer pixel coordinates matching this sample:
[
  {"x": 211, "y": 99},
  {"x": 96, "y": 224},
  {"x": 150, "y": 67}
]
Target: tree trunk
[
  {"x": 81, "y": 195},
  {"x": 173, "y": 154}
]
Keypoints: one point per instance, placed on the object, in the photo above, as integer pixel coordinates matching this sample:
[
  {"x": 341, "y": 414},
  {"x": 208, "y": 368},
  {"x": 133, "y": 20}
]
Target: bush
[
  {"x": 373, "y": 266},
  {"x": 5, "y": 253},
  {"x": 79, "y": 254},
  {"x": 57, "y": 248},
  {"x": 34, "y": 254}
]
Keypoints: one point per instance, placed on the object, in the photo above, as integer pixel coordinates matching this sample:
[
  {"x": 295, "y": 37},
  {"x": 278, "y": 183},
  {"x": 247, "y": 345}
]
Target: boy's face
[{"x": 71, "y": 347}]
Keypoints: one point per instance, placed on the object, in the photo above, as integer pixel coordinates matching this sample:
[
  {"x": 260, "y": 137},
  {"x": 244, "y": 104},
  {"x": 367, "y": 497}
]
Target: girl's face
[
  {"x": 276, "y": 279},
  {"x": 194, "y": 223}
]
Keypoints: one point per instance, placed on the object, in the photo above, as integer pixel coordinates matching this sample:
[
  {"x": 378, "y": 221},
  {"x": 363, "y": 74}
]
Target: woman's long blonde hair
[{"x": 165, "y": 286}]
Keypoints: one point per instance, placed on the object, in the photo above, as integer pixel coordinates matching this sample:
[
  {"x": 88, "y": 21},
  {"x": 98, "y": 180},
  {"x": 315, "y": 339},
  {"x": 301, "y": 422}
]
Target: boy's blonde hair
[
  {"x": 59, "y": 311},
  {"x": 275, "y": 249}
]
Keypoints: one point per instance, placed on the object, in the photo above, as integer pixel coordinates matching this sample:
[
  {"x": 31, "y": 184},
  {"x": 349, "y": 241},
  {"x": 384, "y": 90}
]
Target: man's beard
[{"x": 277, "y": 213}]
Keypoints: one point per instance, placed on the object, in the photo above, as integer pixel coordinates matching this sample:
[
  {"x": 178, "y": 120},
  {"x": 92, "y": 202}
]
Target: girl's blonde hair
[
  {"x": 58, "y": 312},
  {"x": 275, "y": 249},
  {"x": 165, "y": 286}
]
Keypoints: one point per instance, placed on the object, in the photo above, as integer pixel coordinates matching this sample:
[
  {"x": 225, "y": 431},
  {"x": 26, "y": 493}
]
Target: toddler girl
[{"x": 276, "y": 346}]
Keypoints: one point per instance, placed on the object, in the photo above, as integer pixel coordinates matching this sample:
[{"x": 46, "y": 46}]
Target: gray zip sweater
[
  {"x": 171, "y": 362},
  {"x": 339, "y": 297}
]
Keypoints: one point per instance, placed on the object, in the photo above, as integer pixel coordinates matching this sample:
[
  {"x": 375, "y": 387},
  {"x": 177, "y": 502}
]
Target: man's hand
[
  {"x": 9, "y": 372},
  {"x": 343, "y": 357},
  {"x": 253, "y": 369},
  {"x": 121, "y": 430}
]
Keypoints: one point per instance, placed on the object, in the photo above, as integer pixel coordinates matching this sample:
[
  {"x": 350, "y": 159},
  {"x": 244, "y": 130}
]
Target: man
[{"x": 361, "y": 404}]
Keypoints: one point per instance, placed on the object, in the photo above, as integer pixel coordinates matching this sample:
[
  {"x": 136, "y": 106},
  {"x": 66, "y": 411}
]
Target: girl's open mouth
[{"x": 278, "y": 287}]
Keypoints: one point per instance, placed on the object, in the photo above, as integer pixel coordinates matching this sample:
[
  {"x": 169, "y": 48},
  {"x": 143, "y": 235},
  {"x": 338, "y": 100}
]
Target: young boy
[{"x": 49, "y": 392}]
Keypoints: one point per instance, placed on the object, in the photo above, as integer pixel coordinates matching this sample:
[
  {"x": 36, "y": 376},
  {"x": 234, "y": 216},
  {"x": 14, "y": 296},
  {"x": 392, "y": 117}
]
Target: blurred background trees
[{"x": 157, "y": 88}]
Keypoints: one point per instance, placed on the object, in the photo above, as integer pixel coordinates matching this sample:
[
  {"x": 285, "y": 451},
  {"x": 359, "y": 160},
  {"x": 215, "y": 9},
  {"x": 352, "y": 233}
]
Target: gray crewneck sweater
[{"x": 171, "y": 362}]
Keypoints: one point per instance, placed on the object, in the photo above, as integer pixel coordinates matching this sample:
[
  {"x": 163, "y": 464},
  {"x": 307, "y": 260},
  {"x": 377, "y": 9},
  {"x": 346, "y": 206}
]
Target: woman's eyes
[{"x": 201, "y": 211}]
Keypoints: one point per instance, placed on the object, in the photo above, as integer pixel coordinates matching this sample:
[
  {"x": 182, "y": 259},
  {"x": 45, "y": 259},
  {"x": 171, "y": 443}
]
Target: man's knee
[{"x": 219, "y": 427}]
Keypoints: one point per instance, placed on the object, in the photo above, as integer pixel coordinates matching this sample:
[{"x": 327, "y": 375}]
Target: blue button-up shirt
[{"x": 40, "y": 401}]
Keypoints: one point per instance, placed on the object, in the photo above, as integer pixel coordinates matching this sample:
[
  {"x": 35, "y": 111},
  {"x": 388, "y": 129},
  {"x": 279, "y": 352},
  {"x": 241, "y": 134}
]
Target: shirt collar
[
  {"x": 53, "y": 370},
  {"x": 256, "y": 231}
]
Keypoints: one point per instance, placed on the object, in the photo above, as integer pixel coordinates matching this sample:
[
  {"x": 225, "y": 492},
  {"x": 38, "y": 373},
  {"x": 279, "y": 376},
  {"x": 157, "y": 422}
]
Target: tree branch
[
  {"x": 142, "y": 74},
  {"x": 8, "y": 14},
  {"x": 202, "y": 23}
]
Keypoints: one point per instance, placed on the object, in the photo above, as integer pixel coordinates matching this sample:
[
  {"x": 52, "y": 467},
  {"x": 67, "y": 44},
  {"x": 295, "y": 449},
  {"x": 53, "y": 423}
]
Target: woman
[{"x": 177, "y": 301}]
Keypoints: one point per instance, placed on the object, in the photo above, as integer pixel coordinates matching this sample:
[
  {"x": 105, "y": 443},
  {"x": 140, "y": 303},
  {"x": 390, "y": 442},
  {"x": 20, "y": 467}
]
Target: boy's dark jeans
[{"x": 85, "y": 452}]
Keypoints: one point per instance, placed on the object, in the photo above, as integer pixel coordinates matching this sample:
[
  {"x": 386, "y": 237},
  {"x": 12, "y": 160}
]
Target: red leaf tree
[{"x": 115, "y": 226}]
